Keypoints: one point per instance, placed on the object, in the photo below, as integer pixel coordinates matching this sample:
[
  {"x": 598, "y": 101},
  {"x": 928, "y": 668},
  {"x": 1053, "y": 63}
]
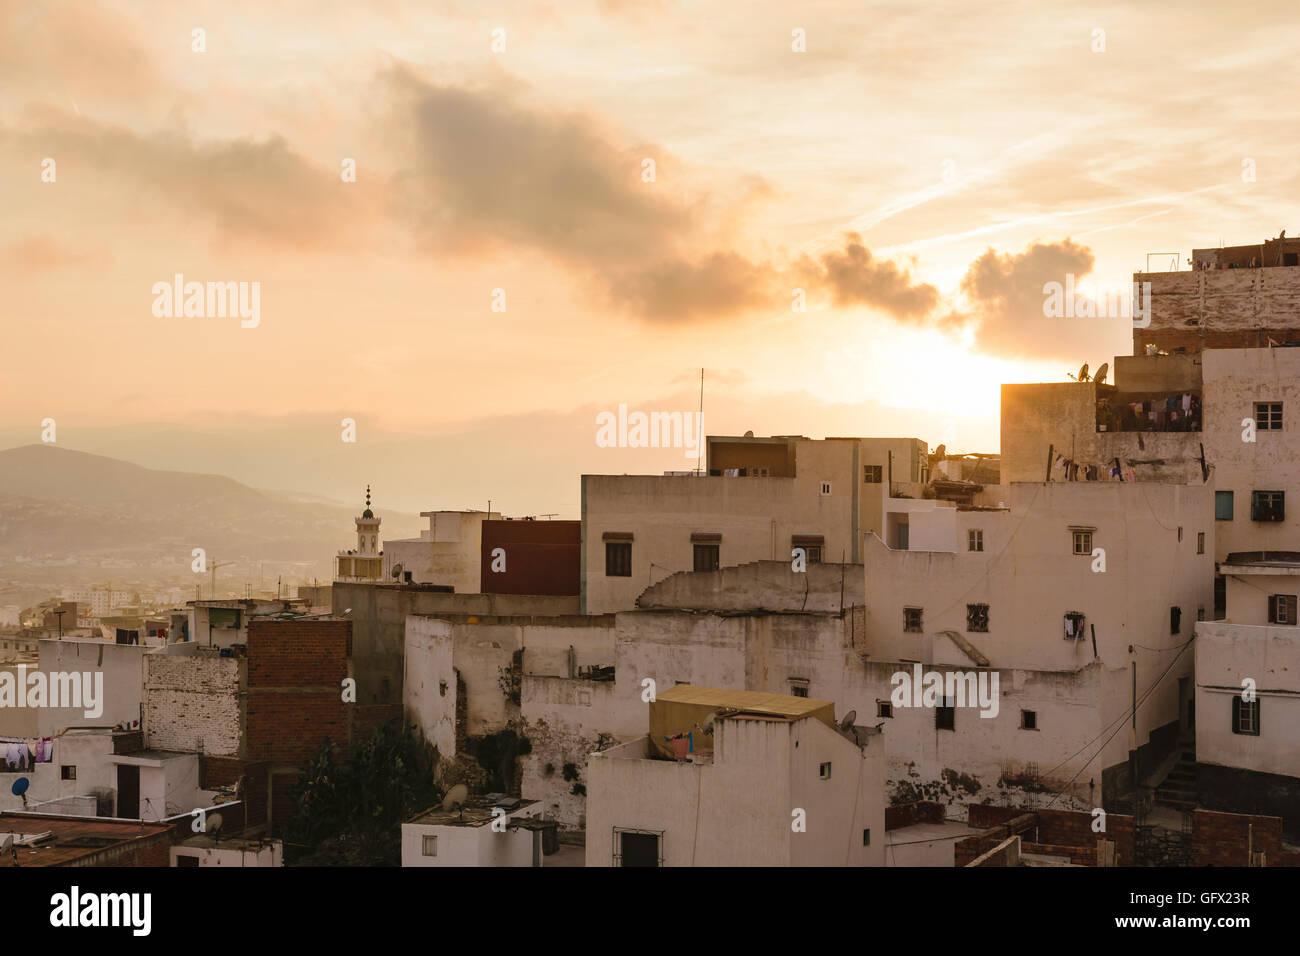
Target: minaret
[
  {"x": 365, "y": 563},
  {"x": 368, "y": 531}
]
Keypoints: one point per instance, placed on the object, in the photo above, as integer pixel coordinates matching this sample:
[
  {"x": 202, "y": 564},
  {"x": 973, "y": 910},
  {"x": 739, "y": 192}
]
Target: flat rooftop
[
  {"x": 745, "y": 701},
  {"x": 476, "y": 813},
  {"x": 59, "y": 840}
]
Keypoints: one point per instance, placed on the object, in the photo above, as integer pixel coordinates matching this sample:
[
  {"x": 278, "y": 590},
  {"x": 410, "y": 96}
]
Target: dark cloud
[
  {"x": 718, "y": 285},
  {"x": 478, "y": 170},
  {"x": 855, "y": 277},
  {"x": 250, "y": 189}
]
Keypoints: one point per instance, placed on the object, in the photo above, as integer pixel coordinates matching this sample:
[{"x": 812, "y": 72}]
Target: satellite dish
[
  {"x": 1083, "y": 373},
  {"x": 213, "y": 824},
  {"x": 749, "y": 434},
  {"x": 397, "y": 570},
  {"x": 1100, "y": 377},
  {"x": 847, "y": 721},
  {"x": 706, "y": 725},
  {"x": 455, "y": 797},
  {"x": 20, "y": 786}
]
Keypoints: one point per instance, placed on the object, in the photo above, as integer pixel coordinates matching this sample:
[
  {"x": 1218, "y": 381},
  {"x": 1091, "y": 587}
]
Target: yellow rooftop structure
[{"x": 684, "y": 709}]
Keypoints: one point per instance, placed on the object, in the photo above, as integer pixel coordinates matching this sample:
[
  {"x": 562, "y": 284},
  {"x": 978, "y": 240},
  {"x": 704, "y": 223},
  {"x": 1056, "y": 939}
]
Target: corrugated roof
[{"x": 752, "y": 701}]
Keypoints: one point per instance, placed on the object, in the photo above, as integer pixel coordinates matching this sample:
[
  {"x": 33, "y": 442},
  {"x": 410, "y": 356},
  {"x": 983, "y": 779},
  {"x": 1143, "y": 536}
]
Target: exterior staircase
[{"x": 1178, "y": 790}]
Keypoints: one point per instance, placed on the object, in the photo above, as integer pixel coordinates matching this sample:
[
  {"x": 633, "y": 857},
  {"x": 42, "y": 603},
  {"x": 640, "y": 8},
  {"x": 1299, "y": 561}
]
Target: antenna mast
[{"x": 700, "y": 424}]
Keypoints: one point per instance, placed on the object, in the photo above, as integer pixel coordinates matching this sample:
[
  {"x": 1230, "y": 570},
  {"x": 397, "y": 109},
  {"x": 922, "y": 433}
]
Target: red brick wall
[
  {"x": 217, "y": 772},
  {"x": 295, "y": 688},
  {"x": 367, "y": 718},
  {"x": 1221, "y": 839},
  {"x": 1078, "y": 855},
  {"x": 148, "y": 851},
  {"x": 1068, "y": 828}
]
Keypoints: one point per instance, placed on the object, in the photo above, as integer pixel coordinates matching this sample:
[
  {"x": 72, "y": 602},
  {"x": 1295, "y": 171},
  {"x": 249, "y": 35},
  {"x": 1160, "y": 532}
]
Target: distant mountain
[{"x": 56, "y": 503}]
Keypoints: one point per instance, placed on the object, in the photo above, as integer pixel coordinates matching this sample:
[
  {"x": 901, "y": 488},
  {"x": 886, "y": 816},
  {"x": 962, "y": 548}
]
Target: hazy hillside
[{"x": 62, "y": 504}]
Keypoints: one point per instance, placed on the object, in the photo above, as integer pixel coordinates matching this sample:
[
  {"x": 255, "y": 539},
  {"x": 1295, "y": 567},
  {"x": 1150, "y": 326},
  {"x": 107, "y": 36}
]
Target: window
[
  {"x": 1074, "y": 626},
  {"x": 826, "y": 488},
  {"x": 974, "y": 540},
  {"x": 1223, "y": 506},
  {"x": 187, "y": 861},
  {"x": 618, "y": 559},
  {"x": 68, "y": 772},
  {"x": 977, "y": 618},
  {"x": 706, "y": 557},
  {"x": 1268, "y": 416},
  {"x": 866, "y": 838},
  {"x": 912, "y": 620},
  {"x": 430, "y": 846},
  {"x": 824, "y": 771},
  {"x": 798, "y": 690},
  {"x": 1083, "y": 542},
  {"x": 1175, "y": 620},
  {"x": 872, "y": 474},
  {"x": 1267, "y": 505},
  {"x": 1220, "y": 596},
  {"x": 1281, "y": 609},
  {"x": 945, "y": 715},
  {"x": 1245, "y": 716},
  {"x": 1200, "y": 542},
  {"x": 1180, "y": 533},
  {"x": 884, "y": 708},
  {"x": 638, "y": 847},
  {"x": 1029, "y": 720}
]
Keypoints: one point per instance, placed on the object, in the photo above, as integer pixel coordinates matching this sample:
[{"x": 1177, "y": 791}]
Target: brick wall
[
  {"x": 217, "y": 772},
  {"x": 147, "y": 851},
  {"x": 295, "y": 688},
  {"x": 192, "y": 703},
  {"x": 1222, "y": 839},
  {"x": 1063, "y": 828}
]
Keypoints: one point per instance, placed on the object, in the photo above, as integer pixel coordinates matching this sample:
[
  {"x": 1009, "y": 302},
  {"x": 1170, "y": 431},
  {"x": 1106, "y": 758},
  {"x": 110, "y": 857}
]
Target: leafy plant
[{"x": 350, "y": 812}]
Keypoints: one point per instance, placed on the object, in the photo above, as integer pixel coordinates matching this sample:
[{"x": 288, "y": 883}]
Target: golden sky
[{"x": 919, "y": 170}]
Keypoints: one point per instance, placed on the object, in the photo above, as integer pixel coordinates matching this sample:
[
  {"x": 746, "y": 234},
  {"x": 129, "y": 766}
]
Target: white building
[
  {"x": 1248, "y": 692},
  {"x": 762, "y": 780},
  {"x": 760, "y": 499},
  {"x": 209, "y": 850},
  {"x": 448, "y": 553},
  {"x": 482, "y": 833},
  {"x": 1082, "y": 596}
]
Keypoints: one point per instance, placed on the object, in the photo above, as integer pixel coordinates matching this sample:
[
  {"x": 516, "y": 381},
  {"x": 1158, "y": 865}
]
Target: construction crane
[{"x": 212, "y": 589}]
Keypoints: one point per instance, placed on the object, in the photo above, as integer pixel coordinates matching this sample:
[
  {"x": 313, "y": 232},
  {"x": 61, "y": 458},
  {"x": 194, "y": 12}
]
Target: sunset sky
[{"x": 921, "y": 170}]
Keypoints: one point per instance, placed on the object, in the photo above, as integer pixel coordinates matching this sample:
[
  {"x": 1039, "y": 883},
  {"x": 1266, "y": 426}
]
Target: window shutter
[
  {"x": 1272, "y": 609},
  {"x": 1236, "y": 715}
]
